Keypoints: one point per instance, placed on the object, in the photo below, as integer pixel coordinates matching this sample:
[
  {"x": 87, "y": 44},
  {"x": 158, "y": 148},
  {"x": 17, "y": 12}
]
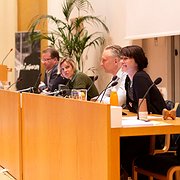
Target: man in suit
[{"x": 50, "y": 59}]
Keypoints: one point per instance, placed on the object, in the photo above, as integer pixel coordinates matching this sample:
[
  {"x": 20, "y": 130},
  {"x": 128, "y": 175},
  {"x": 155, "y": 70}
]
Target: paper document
[{"x": 133, "y": 121}]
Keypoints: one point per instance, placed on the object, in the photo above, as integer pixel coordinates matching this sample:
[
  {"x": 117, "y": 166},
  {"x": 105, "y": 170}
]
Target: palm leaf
[{"x": 71, "y": 36}]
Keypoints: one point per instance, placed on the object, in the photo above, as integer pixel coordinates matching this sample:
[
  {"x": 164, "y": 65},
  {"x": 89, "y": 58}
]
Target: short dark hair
[
  {"x": 137, "y": 53},
  {"x": 53, "y": 52}
]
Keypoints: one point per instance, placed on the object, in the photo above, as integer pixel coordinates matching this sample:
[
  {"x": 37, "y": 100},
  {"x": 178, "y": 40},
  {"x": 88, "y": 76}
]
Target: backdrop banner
[{"x": 27, "y": 61}]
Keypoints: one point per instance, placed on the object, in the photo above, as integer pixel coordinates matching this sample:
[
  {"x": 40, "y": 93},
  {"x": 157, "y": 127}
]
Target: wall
[
  {"x": 113, "y": 12},
  {"x": 158, "y": 51},
  {"x": 27, "y": 10},
  {"x": 8, "y": 26}
]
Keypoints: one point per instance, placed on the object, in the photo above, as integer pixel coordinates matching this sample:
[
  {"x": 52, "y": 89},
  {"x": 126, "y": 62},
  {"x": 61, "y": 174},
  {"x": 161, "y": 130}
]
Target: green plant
[{"x": 70, "y": 36}]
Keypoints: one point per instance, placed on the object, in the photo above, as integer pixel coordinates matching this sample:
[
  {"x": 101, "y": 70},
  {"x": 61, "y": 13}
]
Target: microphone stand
[
  {"x": 30, "y": 89},
  {"x": 113, "y": 79},
  {"x": 107, "y": 87},
  {"x": 95, "y": 78},
  {"x": 6, "y": 56},
  {"x": 14, "y": 83},
  {"x": 156, "y": 82}
]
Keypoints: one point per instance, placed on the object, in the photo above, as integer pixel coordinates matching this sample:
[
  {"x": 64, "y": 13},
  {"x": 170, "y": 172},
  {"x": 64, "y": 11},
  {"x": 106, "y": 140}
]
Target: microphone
[
  {"x": 156, "y": 82},
  {"x": 30, "y": 89},
  {"x": 6, "y": 56},
  {"x": 36, "y": 83},
  {"x": 6, "y": 172},
  {"x": 95, "y": 79},
  {"x": 107, "y": 87},
  {"x": 113, "y": 79},
  {"x": 61, "y": 92},
  {"x": 18, "y": 80}
]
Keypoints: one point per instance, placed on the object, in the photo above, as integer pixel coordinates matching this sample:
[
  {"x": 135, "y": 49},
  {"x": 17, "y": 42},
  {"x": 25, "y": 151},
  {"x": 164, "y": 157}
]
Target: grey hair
[{"x": 115, "y": 49}]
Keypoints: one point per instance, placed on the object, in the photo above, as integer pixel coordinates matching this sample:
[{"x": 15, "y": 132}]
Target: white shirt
[{"x": 120, "y": 88}]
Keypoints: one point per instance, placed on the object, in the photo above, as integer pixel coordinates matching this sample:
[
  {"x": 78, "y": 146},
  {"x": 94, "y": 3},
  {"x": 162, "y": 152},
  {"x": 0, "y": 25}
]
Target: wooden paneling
[
  {"x": 10, "y": 132},
  {"x": 28, "y": 9},
  {"x": 3, "y": 73}
]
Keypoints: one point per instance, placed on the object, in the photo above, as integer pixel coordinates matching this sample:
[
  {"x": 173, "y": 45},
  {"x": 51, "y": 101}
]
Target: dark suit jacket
[{"x": 53, "y": 76}]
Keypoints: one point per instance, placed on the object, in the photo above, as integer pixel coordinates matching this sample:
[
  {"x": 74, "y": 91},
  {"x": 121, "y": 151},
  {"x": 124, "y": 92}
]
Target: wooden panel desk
[
  {"x": 3, "y": 72},
  {"x": 65, "y": 139},
  {"x": 10, "y": 132},
  {"x": 117, "y": 133}
]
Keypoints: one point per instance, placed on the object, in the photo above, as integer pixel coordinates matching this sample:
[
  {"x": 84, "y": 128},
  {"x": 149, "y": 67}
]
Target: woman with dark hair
[
  {"x": 138, "y": 81},
  {"x": 136, "y": 84}
]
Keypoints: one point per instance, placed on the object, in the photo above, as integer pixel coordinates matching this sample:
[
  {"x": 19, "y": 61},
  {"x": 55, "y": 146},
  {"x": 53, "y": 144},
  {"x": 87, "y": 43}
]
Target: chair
[{"x": 162, "y": 164}]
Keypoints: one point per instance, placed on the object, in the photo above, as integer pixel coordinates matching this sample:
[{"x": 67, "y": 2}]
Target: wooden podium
[
  {"x": 3, "y": 73},
  {"x": 10, "y": 130},
  {"x": 65, "y": 139}
]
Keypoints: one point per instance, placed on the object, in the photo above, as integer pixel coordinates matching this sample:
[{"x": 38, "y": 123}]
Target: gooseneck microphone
[
  {"x": 36, "y": 83},
  {"x": 156, "y": 82},
  {"x": 6, "y": 56},
  {"x": 113, "y": 79},
  {"x": 107, "y": 87},
  {"x": 18, "y": 80},
  {"x": 5, "y": 171},
  {"x": 95, "y": 79}
]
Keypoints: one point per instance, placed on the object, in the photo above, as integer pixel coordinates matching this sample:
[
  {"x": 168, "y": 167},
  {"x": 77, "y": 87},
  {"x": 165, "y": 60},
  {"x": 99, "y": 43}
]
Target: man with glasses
[
  {"x": 112, "y": 64},
  {"x": 50, "y": 59}
]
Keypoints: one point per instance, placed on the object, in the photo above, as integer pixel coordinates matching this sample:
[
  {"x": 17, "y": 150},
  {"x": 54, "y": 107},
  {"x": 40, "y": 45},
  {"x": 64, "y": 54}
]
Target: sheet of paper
[{"x": 133, "y": 121}]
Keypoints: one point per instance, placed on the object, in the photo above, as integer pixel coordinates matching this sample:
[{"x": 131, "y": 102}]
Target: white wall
[
  {"x": 112, "y": 12},
  {"x": 152, "y": 18},
  {"x": 8, "y": 27},
  {"x": 115, "y": 13}
]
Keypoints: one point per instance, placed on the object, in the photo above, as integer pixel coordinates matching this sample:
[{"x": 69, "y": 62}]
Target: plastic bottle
[{"x": 114, "y": 97}]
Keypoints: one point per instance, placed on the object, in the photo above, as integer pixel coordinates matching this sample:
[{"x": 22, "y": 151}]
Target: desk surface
[
  {"x": 162, "y": 127},
  {"x": 173, "y": 127}
]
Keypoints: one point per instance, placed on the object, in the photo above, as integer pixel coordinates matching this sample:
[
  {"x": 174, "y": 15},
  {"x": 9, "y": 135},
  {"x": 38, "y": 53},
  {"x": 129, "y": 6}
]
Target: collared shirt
[{"x": 120, "y": 88}]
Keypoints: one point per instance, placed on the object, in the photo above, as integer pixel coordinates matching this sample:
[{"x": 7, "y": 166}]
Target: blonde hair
[{"x": 69, "y": 61}]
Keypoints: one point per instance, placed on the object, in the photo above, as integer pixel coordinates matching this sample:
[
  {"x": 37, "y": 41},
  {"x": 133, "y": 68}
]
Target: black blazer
[{"x": 141, "y": 83}]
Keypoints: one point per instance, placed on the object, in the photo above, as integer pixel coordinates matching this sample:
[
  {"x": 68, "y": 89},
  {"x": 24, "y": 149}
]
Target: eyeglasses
[{"x": 44, "y": 60}]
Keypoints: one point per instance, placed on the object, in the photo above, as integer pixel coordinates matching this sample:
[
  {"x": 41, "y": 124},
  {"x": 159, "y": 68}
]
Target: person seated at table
[
  {"x": 136, "y": 84},
  {"x": 77, "y": 80},
  {"x": 50, "y": 59},
  {"x": 112, "y": 64},
  {"x": 138, "y": 81}
]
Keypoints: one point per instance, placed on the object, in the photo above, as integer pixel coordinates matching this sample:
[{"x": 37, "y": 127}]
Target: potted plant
[{"x": 70, "y": 36}]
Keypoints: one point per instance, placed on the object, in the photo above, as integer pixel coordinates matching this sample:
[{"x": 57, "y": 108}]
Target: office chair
[{"x": 162, "y": 164}]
